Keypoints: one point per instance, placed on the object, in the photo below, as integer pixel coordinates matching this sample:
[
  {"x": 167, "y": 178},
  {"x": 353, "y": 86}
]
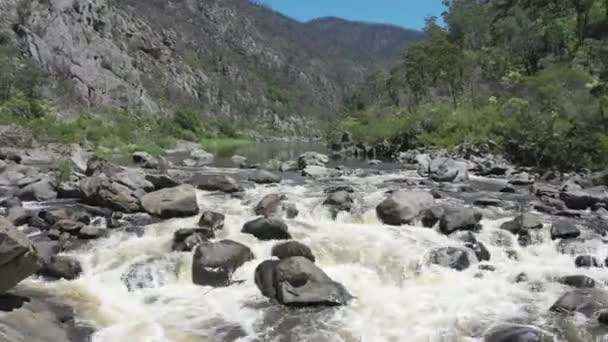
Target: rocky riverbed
[{"x": 433, "y": 246}]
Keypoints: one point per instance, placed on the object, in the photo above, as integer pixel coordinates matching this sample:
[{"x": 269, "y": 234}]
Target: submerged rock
[
  {"x": 451, "y": 257},
  {"x": 215, "y": 262},
  {"x": 61, "y": 267},
  {"x": 402, "y": 207},
  {"x": 514, "y": 333},
  {"x": 184, "y": 240},
  {"x": 338, "y": 201},
  {"x": 292, "y": 248},
  {"x": 267, "y": 228},
  {"x": 212, "y": 220},
  {"x": 586, "y": 261},
  {"x": 586, "y": 301},
  {"x": 151, "y": 273},
  {"x": 521, "y": 223},
  {"x": 172, "y": 202}
]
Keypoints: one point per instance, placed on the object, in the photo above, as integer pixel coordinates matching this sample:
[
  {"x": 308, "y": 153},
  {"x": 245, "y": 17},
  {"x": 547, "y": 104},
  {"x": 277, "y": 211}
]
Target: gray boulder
[
  {"x": 61, "y": 267},
  {"x": 134, "y": 180},
  {"x": 579, "y": 281},
  {"x": 18, "y": 258},
  {"x": 402, "y": 207},
  {"x": 271, "y": 165},
  {"x": 564, "y": 230},
  {"x": 315, "y": 171},
  {"x": 100, "y": 191},
  {"x": 267, "y": 228},
  {"x": 583, "y": 199},
  {"x": 275, "y": 205},
  {"x": 223, "y": 183},
  {"x": 215, "y": 262},
  {"x": 297, "y": 281},
  {"x": 514, "y": 333},
  {"x": 43, "y": 190},
  {"x": 162, "y": 181},
  {"x": 522, "y": 178},
  {"x": 239, "y": 161},
  {"x": 172, "y": 202},
  {"x": 145, "y": 160},
  {"x": 589, "y": 302},
  {"x": 212, "y": 220},
  {"x": 448, "y": 170},
  {"x": 264, "y": 177},
  {"x": 290, "y": 249},
  {"x": 264, "y": 278},
  {"x": 452, "y": 257},
  {"x": 312, "y": 159},
  {"x": 454, "y": 219},
  {"x": 521, "y": 223},
  {"x": 424, "y": 164},
  {"x": 201, "y": 157}
]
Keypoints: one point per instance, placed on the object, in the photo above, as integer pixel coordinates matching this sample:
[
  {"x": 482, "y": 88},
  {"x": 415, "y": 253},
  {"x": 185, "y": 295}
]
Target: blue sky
[{"x": 406, "y": 13}]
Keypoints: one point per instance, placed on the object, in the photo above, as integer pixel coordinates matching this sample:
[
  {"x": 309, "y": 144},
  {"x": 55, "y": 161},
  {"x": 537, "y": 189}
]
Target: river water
[{"x": 398, "y": 297}]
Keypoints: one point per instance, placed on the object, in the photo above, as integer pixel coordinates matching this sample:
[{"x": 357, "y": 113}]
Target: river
[{"x": 398, "y": 297}]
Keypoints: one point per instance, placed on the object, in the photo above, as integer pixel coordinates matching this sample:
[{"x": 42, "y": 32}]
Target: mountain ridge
[{"x": 231, "y": 58}]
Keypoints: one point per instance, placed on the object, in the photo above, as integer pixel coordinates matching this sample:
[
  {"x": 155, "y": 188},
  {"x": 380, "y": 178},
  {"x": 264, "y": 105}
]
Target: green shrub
[{"x": 63, "y": 170}]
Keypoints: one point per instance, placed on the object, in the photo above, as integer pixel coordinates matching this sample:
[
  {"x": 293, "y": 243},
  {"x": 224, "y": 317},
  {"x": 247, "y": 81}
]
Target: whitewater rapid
[{"x": 398, "y": 296}]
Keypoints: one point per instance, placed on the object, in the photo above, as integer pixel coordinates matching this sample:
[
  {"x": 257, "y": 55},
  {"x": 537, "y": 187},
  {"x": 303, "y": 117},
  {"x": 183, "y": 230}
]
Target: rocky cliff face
[{"x": 220, "y": 57}]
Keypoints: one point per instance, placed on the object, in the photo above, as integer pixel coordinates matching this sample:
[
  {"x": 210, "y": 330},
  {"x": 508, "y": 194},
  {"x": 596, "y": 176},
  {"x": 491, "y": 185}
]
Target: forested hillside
[{"x": 529, "y": 78}]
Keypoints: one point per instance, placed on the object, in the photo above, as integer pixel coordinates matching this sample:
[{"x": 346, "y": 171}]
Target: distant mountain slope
[{"x": 220, "y": 57}]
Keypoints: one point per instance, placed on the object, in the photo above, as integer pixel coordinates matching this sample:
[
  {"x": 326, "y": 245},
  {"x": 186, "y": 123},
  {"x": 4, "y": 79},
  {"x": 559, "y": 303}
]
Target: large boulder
[
  {"x": 100, "y": 191},
  {"x": 424, "y": 164},
  {"x": 312, "y": 159},
  {"x": 42, "y": 190},
  {"x": 462, "y": 218},
  {"x": 223, "y": 183},
  {"x": 162, "y": 181},
  {"x": 172, "y": 202},
  {"x": 402, "y": 207},
  {"x": 297, "y": 281},
  {"x": 589, "y": 302},
  {"x": 564, "y": 230},
  {"x": 264, "y": 177},
  {"x": 145, "y": 160},
  {"x": 452, "y": 257},
  {"x": 448, "y": 170},
  {"x": 18, "y": 258},
  {"x": 134, "y": 180},
  {"x": 583, "y": 199},
  {"x": 97, "y": 166},
  {"x": 514, "y": 333},
  {"x": 290, "y": 165},
  {"x": 290, "y": 249},
  {"x": 522, "y": 178},
  {"x": 267, "y": 228},
  {"x": 215, "y": 262}
]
